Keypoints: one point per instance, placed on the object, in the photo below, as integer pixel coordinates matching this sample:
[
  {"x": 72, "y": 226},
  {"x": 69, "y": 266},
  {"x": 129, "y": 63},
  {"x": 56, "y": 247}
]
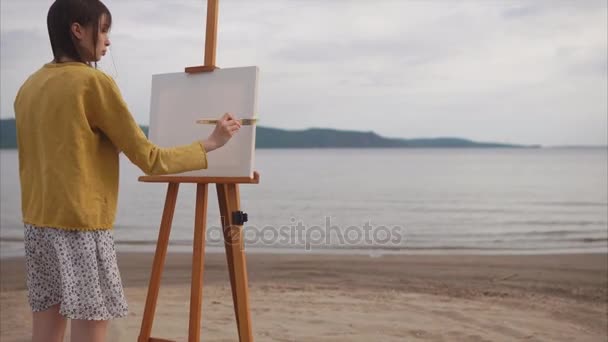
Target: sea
[{"x": 375, "y": 202}]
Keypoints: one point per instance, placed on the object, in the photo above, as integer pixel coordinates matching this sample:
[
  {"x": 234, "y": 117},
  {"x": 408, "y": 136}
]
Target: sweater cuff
[{"x": 204, "y": 154}]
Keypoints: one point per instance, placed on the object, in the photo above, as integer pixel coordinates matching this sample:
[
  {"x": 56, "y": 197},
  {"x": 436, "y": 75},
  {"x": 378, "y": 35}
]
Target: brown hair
[{"x": 62, "y": 14}]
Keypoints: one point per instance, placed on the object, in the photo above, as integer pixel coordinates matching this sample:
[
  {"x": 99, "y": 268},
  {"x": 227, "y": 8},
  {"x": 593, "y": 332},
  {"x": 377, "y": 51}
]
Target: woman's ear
[{"x": 77, "y": 31}]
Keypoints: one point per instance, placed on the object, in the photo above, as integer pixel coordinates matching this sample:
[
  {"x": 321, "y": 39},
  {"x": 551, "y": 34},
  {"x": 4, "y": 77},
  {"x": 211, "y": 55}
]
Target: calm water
[{"x": 378, "y": 201}]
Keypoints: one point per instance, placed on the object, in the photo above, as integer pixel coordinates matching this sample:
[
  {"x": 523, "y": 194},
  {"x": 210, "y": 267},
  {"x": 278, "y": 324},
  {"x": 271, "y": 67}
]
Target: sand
[{"x": 360, "y": 298}]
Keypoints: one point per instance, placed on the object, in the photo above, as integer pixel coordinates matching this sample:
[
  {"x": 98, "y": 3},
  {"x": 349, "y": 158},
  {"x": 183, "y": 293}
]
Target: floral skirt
[{"x": 75, "y": 269}]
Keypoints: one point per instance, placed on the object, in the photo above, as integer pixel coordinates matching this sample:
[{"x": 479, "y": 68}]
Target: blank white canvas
[{"x": 179, "y": 99}]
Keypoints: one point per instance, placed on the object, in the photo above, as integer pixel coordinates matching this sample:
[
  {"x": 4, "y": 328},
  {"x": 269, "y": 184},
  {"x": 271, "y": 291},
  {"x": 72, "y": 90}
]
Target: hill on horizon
[{"x": 267, "y": 137}]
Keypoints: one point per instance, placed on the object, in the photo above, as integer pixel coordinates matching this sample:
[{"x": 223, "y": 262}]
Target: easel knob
[{"x": 239, "y": 218}]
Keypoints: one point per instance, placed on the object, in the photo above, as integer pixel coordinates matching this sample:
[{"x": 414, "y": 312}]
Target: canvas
[{"x": 178, "y": 100}]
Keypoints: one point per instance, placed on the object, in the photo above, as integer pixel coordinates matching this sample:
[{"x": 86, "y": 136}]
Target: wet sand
[{"x": 359, "y": 298}]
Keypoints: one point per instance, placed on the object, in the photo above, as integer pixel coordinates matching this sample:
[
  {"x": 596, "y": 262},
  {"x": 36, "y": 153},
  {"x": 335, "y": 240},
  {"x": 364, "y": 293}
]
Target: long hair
[{"x": 62, "y": 14}]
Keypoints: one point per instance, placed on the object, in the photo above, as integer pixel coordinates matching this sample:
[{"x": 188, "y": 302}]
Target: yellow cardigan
[{"x": 71, "y": 122}]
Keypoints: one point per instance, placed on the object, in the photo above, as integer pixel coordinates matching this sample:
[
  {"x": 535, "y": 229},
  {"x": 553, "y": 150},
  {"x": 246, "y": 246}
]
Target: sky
[{"x": 526, "y": 72}]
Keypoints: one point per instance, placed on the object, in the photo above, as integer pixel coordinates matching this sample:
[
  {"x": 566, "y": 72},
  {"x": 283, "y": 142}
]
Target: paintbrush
[{"x": 244, "y": 122}]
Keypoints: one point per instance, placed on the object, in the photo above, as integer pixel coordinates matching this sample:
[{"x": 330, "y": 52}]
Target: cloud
[{"x": 513, "y": 71}]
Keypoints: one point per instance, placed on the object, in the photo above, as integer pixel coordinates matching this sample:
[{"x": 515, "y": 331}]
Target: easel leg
[
  {"x": 224, "y": 214},
  {"x": 198, "y": 263},
  {"x": 228, "y": 198},
  {"x": 159, "y": 261}
]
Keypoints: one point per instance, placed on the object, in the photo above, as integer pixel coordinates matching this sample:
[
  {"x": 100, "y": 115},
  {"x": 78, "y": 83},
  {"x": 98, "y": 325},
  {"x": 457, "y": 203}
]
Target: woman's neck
[{"x": 64, "y": 60}]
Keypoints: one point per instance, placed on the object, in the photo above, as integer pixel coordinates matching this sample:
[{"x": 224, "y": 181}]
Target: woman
[{"x": 71, "y": 124}]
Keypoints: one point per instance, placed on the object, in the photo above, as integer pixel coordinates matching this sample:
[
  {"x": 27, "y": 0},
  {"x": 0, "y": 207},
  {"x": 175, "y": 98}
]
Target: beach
[{"x": 316, "y": 297}]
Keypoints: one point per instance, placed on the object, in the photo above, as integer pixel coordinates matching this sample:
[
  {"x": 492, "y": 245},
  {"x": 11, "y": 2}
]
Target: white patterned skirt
[{"x": 75, "y": 269}]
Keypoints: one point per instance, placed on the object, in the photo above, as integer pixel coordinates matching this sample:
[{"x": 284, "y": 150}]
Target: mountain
[
  {"x": 331, "y": 138},
  {"x": 8, "y": 134},
  {"x": 267, "y": 137}
]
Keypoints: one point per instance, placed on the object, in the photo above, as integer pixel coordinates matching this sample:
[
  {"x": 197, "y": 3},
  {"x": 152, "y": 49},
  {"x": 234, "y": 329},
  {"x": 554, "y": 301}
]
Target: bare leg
[
  {"x": 88, "y": 330},
  {"x": 48, "y": 325}
]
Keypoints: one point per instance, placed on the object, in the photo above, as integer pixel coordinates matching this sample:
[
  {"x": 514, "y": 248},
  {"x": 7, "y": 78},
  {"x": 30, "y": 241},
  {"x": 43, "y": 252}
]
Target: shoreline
[
  {"x": 551, "y": 270},
  {"x": 580, "y": 276},
  {"x": 13, "y": 248}
]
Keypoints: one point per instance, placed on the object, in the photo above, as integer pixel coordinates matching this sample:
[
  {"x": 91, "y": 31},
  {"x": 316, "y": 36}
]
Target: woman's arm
[{"x": 111, "y": 115}]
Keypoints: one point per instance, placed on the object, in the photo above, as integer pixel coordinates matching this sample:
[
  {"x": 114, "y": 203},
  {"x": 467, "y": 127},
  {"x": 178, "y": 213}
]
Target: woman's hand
[{"x": 225, "y": 128}]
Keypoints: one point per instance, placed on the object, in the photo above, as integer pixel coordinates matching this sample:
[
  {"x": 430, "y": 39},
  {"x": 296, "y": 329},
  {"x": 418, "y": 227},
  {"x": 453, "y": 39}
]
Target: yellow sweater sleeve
[{"x": 112, "y": 116}]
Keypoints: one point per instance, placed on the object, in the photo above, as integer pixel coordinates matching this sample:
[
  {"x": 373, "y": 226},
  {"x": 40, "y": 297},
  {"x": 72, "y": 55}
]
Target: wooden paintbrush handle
[{"x": 244, "y": 122}]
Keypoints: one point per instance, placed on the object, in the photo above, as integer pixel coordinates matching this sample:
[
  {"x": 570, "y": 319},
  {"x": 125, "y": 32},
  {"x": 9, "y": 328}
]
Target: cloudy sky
[{"x": 531, "y": 72}]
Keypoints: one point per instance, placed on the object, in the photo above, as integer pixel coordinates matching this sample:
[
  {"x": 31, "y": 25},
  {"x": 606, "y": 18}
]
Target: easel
[{"x": 232, "y": 222}]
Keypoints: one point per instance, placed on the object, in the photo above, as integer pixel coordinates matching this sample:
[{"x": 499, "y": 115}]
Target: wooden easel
[{"x": 232, "y": 222}]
